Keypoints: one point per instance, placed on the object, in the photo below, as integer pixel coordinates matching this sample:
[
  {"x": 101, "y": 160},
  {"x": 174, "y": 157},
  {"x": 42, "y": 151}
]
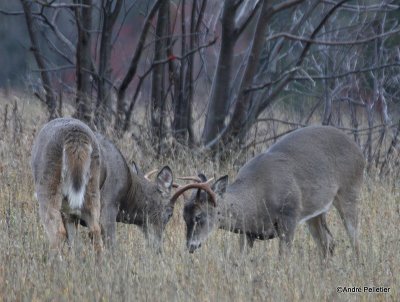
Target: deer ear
[
  {"x": 202, "y": 177},
  {"x": 165, "y": 179},
  {"x": 219, "y": 187},
  {"x": 135, "y": 168}
]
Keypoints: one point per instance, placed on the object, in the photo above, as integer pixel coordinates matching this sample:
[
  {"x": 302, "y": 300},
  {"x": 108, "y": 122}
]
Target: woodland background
[{"x": 210, "y": 75}]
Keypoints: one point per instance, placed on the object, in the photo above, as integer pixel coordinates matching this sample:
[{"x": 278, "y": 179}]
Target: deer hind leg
[
  {"x": 50, "y": 215},
  {"x": 246, "y": 242},
  {"x": 108, "y": 220},
  {"x": 321, "y": 234},
  {"x": 346, "y": 202},
  {"x": 71, "y": 228},
  {"x": 91, "y": 208}
]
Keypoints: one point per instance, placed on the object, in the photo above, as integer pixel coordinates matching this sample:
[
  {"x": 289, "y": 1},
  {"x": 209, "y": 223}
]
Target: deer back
[{"x": 303, "y": 170}]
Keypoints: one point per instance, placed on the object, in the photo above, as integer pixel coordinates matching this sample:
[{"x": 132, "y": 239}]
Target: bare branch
[
  {"x": 328, "y": 77},
  {"x": 373, "y": 7},
  {"x": 135, "y": 59},
  {"x": 284, "y": 5},
  {"x": 332, "y": 43},
  {"x": 60, "y": 5},
  {"x": 243, "y": 25},
  {"x": 147, "y": 72},
  {"x": 272, "y": 95},
  {"x": 14, "y": 13},
  {"x": 54, "y": 69},
  {"x": 57, "y": 32}
]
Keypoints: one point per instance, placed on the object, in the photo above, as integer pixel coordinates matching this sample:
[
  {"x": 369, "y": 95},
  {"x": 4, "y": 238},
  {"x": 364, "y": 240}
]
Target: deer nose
[{"x": 193, "y": 246}]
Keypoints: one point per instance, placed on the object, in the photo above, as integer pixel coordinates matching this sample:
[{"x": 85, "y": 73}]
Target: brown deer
[
  {"x": 81, "y": 177},
  {"x": 297, "y": 180}
]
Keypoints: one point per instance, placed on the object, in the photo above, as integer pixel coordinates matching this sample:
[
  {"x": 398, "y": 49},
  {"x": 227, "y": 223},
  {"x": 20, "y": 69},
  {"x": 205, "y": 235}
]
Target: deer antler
[
  {"x": 148, "y": 174},
  {"x": 202, "y": 186},
  {"x": 195, "y": 179},
  {"x": 192, "y": 178}
]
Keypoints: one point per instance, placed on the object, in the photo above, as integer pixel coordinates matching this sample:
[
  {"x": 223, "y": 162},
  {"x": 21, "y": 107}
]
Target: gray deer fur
[
  {"x": 80, "y": 176},
  {"x": 296, "y": 180}
]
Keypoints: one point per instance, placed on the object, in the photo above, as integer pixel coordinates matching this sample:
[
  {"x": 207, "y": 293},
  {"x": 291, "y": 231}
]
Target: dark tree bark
[
  {"x": 50, "y": 98},
  {"x": 219, "y": 100},
  {"x": 183, "y": 78},
  {"x": 238, "y": 124},
  {"x": 181, "y": 101},
  {"x": 159, "y": 76},
  {"x": 83, "y": 16},
  {"x": 121, "y": 91},
  {"x": 109, "y": 17}
]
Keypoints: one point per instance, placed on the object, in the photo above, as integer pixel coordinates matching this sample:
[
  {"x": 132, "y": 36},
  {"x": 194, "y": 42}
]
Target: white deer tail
[{"x": 76, "y": 171}]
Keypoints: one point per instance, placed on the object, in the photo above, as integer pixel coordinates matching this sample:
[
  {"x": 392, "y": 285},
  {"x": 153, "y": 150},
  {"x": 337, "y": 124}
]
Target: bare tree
[
  {"x": 324, "y": 64},
  {"x": 184, "y": 76},
  {"x": 110, "y": 12},
  {"x": 122, "y": 112},
  {"x": 49, "y": 99},
  {"x": 83, "y": 61},
  {"x": 159, "y": 83}
]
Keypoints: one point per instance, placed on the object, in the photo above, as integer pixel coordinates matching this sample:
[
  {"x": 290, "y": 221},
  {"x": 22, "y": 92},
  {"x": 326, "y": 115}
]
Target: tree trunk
[
  {"x": 237, "y": 124},
  {"x": 50, "y": 99},
  {"x": 83, "y": 17},
  {"x": 158, "y": 89},
  {"x": 104, "y": 108},
  {"x": 183, "y": 104},
  {"x": 219, "y": 101},
  {"x": 121, "y": 106}
]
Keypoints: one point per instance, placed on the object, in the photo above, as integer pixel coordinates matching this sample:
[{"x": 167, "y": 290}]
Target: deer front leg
[
  {"x": 286, "y": 228},
  {"x": 50, "y": 215}
]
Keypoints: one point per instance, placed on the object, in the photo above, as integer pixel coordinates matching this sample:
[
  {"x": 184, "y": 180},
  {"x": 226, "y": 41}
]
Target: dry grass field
[{"x": 216, "y": 272}]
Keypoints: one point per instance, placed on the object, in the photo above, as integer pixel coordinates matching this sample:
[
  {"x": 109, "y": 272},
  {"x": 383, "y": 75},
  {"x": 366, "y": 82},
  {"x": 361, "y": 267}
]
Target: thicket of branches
[{"x": 334, "y": 61}]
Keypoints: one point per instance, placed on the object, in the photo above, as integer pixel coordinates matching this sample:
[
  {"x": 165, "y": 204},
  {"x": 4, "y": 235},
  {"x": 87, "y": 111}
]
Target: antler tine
[
  {"x": 148, "y": 174},
  {"x": 210, "y": 180},
  {"x": 202, "y": 186},
  {"x": 193, "y": 178}
]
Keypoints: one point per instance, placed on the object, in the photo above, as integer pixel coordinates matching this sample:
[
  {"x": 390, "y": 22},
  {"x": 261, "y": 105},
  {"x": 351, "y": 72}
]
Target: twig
[
  {"x": 331, "y": 43},
  {"x": 61, "y": 5},
  {"x": 280, "y": 121},
  {"x": 328, "y": 77}
]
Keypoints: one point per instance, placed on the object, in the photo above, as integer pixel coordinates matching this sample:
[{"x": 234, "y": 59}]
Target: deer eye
[
  {"x": 199, "y": 217},
  {"x": 169, "y": 214}
]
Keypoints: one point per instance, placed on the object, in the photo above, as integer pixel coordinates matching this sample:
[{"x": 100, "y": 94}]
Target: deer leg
[
  {"x": 108, "y": 219},
  {"x": 71, "y": 228},
  {"x": 91, "y": 208},
  {"x": 49, "y": 211},
  {"x": 91, "y": 218},
  {"x": 321, "y": 234},
  {"x": 246, "y": 242},
  {"x": 346, "y": 204},
  {"x": 286, "y": 228}
]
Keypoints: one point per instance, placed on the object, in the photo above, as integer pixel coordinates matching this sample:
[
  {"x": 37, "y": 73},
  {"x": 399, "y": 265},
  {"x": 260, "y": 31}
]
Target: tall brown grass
[{"x": 216, "y": 272}]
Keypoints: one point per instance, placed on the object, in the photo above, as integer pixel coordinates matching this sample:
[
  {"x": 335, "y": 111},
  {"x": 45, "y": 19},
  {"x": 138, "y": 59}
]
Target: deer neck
[
  {"x": 230, "y": 211},
  {"x": 134, "y": 208}
]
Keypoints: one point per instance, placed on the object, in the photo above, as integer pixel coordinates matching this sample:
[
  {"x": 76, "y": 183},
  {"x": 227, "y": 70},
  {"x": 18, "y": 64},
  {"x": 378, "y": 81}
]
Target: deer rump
[{"x": 72, "y": 166}]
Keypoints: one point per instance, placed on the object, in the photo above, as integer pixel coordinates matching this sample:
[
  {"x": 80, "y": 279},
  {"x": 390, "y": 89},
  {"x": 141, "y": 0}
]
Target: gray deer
[
  {"x": 297, "y": 180},
  {"x": 81, "y": 177}
]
